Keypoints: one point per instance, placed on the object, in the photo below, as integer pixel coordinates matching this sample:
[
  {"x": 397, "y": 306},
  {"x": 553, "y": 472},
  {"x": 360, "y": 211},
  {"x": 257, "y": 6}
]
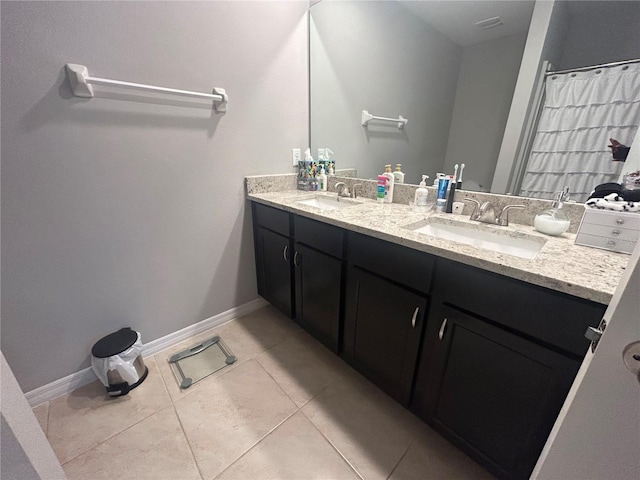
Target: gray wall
[
  {"x": 601, "y": 32},
  {"x": 487, "y": 78},
  {"x": 128, "y": 209},
  {"x": 379, "y": 57}
]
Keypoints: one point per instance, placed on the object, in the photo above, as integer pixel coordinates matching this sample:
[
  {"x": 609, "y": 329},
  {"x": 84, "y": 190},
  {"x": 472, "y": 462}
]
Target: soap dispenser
[
  {"x": 322, "y": 180},
  {"x": 554, "y": 221},
  {"x": 420, "y": 198}
]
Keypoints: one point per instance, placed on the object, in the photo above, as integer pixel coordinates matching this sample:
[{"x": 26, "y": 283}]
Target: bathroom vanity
[{"x": 482, "y": 345}]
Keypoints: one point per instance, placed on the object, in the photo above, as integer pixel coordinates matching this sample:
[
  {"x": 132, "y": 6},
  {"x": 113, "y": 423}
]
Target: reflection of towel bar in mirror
[
  {"x": 367, "y": 117},
  {"x": 81, "y": 86}
]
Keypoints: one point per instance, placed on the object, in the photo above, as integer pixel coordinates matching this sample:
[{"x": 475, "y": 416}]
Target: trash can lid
[{"x": 114, "y": 343}]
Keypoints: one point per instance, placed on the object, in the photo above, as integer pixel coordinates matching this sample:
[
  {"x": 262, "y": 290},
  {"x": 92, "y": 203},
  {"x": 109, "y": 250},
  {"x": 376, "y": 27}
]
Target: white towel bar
[
  {"x": 81, "y": 86},
  {"x": 367, "y": 117}
]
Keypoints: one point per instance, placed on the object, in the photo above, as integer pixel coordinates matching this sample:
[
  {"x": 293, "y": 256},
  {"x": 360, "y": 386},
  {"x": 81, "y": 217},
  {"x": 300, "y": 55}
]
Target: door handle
[
  {"x": 295, "y": 258},
  {"x": 442, "y": 327},
  {"x": 415, "y": 315},
  {"x": 285, "y": 253}
]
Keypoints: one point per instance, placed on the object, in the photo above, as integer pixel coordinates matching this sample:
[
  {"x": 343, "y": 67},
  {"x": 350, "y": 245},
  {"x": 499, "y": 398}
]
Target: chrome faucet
[
  {"x": 503, "y": 218},
  {"x": 474, "y": 214},
  {"x": 486, "y": 212},
  {"x": 342, "y": 189},
  {"x": 354, "y": 191}
]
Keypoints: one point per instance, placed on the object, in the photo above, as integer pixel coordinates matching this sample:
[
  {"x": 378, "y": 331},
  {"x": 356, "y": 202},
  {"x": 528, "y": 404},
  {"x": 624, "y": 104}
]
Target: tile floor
[{"x": 288, "y": 409}]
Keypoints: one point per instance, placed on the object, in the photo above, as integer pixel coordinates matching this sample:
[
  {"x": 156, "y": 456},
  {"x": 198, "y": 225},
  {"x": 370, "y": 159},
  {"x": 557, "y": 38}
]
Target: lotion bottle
[
  {"x": 420, "y": 198},
  {"x": 398, "y": 174},
  {"x": 388, "y": 193}
]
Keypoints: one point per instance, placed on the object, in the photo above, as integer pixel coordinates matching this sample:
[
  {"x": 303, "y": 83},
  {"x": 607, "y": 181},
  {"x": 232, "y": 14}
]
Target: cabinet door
[
  {"x": 382, "y": 328},
  {"x": 493, "y": 393},
  {"x": 318, "y": 285},
  {"x": 273, "y": 260}
]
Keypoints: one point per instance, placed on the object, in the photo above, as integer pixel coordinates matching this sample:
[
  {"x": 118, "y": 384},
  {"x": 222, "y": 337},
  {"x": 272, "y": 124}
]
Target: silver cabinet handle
[
  {"x": 415, "y": 315},
  {"x": 285, "y": 253},
  {"x": 611, "y": 243},
  {"x": 615, "y": 232},
  {"x": 442, "y": 327},
  {"x": 620, "y": 221},
  {"x": 295, "y": 259}
]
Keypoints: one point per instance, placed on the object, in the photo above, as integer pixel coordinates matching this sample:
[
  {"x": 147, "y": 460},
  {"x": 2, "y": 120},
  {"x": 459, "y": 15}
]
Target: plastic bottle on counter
[
  {"x": 322, "y": 180},
  {"x": 421, "y": 196},
  {"x": 388, "y": 193},
  {"x": 398, "y": 174},
  {"x": 382, "y": 187}
]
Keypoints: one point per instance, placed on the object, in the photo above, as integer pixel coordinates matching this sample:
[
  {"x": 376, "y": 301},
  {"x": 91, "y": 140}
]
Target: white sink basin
[
  {"x": 327, "y": 203},
  {"x": 509, "y": 242}
]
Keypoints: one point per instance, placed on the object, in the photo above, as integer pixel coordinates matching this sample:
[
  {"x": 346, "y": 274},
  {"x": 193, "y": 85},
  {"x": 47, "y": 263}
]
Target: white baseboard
[{"x": 76, "y": 380}]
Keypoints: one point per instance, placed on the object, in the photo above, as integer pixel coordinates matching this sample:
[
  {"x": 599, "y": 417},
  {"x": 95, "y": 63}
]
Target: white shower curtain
[{"x": 581, "y": 112}]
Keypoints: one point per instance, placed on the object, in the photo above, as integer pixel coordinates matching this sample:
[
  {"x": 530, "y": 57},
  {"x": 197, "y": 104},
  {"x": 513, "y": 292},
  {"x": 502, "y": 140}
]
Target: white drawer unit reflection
[{"x": 615, "y": 231}]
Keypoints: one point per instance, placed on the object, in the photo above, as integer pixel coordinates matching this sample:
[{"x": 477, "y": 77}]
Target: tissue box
[{"x": 615, "y": 231}]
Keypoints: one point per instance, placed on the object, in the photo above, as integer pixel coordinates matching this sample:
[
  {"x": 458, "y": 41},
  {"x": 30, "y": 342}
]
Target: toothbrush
[
  {"x": 452, "y": 190},
  {"x": 459, "y": 185}
]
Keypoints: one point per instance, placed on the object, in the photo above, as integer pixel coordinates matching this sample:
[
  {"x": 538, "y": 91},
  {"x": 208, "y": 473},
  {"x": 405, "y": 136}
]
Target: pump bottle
[{"x": 420, "y": 198}]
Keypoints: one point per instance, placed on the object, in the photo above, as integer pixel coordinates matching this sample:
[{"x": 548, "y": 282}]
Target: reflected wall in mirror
[{"x": 457, "y": 85}]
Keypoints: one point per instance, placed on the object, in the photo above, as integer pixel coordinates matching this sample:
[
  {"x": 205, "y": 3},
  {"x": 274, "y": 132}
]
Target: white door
[{"x": 597, "y": 434}]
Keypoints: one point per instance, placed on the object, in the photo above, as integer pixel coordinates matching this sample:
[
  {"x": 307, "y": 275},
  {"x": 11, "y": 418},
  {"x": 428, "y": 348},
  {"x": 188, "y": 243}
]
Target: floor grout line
[
  {"x": 186, "y": 437},
  {"x": 124, "y": 429},
  {"x": 332, "y": 445},
  {"x": 255, "y": 444},
  {"x": 46, "y": 423},
  {"x": 400, "y": 460},
  {"x": 117, "y": 433}
]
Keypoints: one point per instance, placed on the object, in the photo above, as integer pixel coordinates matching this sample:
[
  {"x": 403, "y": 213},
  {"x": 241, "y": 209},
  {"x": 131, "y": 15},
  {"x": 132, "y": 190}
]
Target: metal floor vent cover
[{"x": 200, "y": 361}]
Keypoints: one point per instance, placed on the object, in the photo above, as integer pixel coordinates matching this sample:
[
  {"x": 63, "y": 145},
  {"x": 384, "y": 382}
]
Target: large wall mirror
[{"x": 457, "y": 71}]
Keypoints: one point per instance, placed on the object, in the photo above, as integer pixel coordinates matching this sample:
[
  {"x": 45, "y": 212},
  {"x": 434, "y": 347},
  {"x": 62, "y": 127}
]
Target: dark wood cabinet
[
  {"x": 495, "y": 394},
  {"x": 386, "y": 299},
  {"x": 487, "y": 360},
  {"x": 273, "y": 255},
  {"x": 497, "y": 362},
  {"x": 317, "y": 292},
  {"x": 317, "y": 264},
  {"x": 299, "y": 269},
  {"x": 382, "y": 330}
]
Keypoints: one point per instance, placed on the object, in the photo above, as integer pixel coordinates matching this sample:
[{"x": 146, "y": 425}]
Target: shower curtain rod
[{"x": 593, "y": 67}]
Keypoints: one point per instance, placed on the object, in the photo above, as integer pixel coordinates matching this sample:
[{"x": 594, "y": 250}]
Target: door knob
[{"x": 631, "y": 358}]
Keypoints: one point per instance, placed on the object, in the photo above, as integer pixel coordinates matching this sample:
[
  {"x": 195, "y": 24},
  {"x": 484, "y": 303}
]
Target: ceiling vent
[{"x": 490, "y": 23}]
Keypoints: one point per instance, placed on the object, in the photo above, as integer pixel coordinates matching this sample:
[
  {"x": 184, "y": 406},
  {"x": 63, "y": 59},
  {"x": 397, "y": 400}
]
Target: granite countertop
[{"x": 560, "y": 265}]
